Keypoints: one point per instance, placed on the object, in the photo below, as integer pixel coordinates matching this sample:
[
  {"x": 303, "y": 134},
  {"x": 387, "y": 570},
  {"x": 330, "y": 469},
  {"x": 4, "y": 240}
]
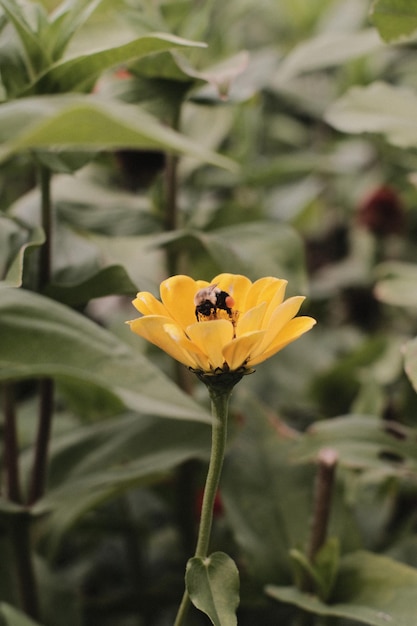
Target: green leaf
[
  {"x": 35, "y": 55},
  {"x": 267, "y": 498},
  {"x": 254, "y": 249},
  {"x": 326, "y": 50},
  {"x": 326, "y": 563},
  {"x": 43, "y": 338},
  {"x": 12, "y": 617},
  {"x": 396, "y": 20},
  {"x": 397, "y": 283},
  {"x": 370, "y": 589},
  {"x": 362, "y": 442},
  {"x": 112, "y": 280},
  {"x": 213, "y": 586},
  {"x": 65, "y": 20},
  {"x": 378, "y": 108},
  {"x": 86, "y": 122},
  {"x": 410, "y": 361},
  {"x": 93, "y": 464},
  {"x": 16, "y": 240},
  {"x": 79, "y": 73},
  {"x": 322, "y": 571}
]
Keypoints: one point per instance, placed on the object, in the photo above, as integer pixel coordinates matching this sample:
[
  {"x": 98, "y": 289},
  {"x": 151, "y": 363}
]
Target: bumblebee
[{"x": 209, "y": 299}]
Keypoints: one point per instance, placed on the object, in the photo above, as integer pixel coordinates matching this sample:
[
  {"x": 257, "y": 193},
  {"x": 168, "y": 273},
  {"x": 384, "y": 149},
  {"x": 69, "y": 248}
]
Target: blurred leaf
[
  {"x": 396, "y": 20},
  {"x": 410, "y": 361},
  {"x": 95, "y": 463},
  {"x": 254, "y": 249},
  {"x": 326, "y": 50},
  {"x": 267, "y": 498},
  {"x": 111, "y": 280},
  {"x": 222, "y": 75},
  {"x": 370, "y": 589},
  {"x": 397, "y": 283},
  {"x": 16, "y": 240},
  {"x": 377, "y": 108},
  {"x": 43, "y": 338},
  {"x": 362, "y": 442},
  {"x": 12, "y": 617},
  {"x": 65, "y": 20},
  {"x": 35, "y": 55},
  {"x": 79, "y": 73},
  {"x": 213, "y": 586},
  {"x": 86, "y": 122}
]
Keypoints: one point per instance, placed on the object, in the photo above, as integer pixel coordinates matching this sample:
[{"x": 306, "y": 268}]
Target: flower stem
[
  {"x": 46, "y": 409},
  {"x": 11, "y": 451},
  {"x": 219, "y": 406},
  {"x": 21, "y": 540},
  {"x": 45, "y": 260}
]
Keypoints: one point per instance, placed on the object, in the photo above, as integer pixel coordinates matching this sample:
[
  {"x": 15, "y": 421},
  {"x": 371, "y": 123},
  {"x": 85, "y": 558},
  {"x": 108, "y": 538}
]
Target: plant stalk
[
  {"x": 11, "y": 451},
  {"x": 46, "y": 409},
  {"x": 219, "y": 405},
  {"x": 21, "y": 541},
  {"x": 45, "y": 260}
]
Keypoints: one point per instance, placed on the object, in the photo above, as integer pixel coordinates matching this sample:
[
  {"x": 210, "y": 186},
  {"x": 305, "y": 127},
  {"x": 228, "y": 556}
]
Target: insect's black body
[{"x": 209, "y": 299}]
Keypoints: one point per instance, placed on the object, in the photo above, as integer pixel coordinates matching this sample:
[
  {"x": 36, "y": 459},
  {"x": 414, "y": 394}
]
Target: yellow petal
[
  {"x": 236, "y": 285},
  {"x": 147, "y": 304},
  {"x": 294, "y": 329},
  {"x": 151, "y": 328},
  {"x": 237, "y": 352},
  {"x": 177, "y": 334},
  {"x": 251, "y": 320},
  {"x": 211, "y": 337},
  {"x": 279, "y": 318},
  {"x": 177, "y": 295},
  {"x": 276, "y": 300},
  {"x": 264, "y": 290}
]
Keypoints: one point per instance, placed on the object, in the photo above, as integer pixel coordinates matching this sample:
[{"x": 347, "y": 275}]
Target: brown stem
[
  {"x": 38, "y": 477},
  {"x": 327, "y": 462},
  {"x": 11, "y": 451}
]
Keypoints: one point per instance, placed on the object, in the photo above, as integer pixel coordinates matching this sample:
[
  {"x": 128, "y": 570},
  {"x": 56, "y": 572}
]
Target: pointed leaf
[
  {"x": 370, "y": 589},
  {"x": 40, "y": 337},
  {"x": 35, "y": 57},
  {"x": 79, "y": 73},
  {"x": 86, "y": 122},
  {"x": 213, "y": 586},
  {"x": 396, "y": 20},
  {"x": 65, "y": 20}
]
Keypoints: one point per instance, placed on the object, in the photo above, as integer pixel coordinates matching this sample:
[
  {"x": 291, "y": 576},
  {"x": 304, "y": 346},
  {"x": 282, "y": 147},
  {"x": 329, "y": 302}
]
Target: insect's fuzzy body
[{"x": 209, "y": 299}]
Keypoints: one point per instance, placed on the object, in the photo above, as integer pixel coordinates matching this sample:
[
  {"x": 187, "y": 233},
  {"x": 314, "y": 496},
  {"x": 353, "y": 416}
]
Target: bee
[{"x": 211, "y": 298}]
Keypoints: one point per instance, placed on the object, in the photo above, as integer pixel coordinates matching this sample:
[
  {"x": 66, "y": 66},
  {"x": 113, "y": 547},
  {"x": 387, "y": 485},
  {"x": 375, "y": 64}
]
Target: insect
[{"x": 211, "y": 298}]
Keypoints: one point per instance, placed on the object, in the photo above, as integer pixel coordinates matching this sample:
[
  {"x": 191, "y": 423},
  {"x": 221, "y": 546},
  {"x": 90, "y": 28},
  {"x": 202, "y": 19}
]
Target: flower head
[{"x": 227, "y": 325}]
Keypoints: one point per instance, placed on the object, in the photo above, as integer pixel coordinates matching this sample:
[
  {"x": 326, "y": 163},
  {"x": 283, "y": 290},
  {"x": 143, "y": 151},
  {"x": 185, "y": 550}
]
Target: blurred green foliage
[{"x": 198, "y": 136}]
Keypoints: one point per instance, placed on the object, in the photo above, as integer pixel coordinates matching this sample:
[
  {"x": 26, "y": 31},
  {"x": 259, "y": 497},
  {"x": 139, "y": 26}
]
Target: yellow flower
[{"x": 227, "y": 325}]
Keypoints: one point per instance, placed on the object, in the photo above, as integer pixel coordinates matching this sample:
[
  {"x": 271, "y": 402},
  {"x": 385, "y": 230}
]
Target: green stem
[
  {"x": 21, "y": 540},
  {"x": 219, "y": 405}
]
